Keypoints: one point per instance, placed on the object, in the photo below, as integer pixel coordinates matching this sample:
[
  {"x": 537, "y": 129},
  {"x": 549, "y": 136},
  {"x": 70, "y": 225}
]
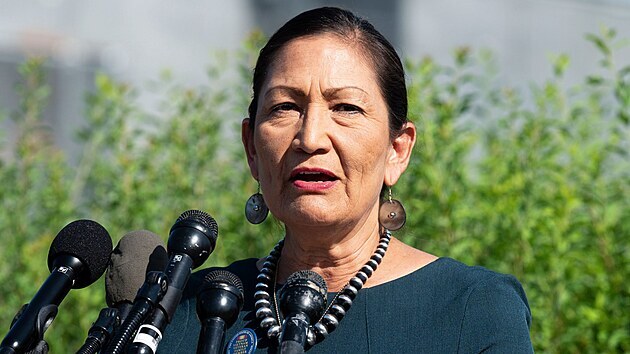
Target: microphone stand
[{"x": 100, "y": 332}]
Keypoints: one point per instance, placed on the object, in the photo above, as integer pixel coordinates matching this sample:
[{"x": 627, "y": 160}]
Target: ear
[
  {"x": 399, "y": 154},
  {"x": 247, "y": 136}
]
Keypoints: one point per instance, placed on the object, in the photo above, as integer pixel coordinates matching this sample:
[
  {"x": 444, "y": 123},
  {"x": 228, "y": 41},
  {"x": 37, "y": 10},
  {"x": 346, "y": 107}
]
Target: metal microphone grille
[
  {"x": 224, "y": 276},
  {"x": 202, "y": 217}
]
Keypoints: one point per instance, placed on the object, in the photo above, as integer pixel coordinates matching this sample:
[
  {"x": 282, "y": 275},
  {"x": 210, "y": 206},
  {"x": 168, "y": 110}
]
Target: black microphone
[
  {"x": 191, "y": 240},
  {"x": 77, "y": 257},
  {"x": 218, "y": 304},
  {"x": 137, "y": 253},
  {"x": 302, "y": 302}
]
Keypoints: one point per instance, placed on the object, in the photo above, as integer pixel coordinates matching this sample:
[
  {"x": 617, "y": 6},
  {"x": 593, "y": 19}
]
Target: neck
[{"x": 335, "y": 257}]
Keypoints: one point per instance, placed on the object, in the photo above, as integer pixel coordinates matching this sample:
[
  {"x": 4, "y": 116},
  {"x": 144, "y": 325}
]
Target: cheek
[
  {"x": 270, "y": 150},
  {"x": 366, "y": 156}
]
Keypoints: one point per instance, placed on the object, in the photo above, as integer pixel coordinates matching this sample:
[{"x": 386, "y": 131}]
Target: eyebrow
[{"x": 300, "y": 93}]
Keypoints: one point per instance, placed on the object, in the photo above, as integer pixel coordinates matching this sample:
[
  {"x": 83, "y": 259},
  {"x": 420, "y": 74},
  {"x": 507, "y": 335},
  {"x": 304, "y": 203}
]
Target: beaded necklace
[{"x": 335, "y": 312}]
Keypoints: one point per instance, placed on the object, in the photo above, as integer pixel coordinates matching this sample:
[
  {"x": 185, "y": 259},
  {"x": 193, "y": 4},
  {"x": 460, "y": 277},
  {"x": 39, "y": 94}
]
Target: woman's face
[{"x": 321, "y": 146}]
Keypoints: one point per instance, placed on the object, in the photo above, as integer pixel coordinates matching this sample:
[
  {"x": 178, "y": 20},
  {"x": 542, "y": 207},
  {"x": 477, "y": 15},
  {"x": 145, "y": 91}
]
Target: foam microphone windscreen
[
  {"x": 88, "y": 241},
  {"x": 137, "y": 253}
]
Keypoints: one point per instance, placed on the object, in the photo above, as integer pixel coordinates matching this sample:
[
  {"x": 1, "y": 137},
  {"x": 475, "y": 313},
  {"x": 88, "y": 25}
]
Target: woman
[{"x": 326, "y": 138}]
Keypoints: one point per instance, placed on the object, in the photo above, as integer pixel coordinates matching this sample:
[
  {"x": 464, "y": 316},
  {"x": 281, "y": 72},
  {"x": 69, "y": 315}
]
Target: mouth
[{"x": 312, "y": 175}]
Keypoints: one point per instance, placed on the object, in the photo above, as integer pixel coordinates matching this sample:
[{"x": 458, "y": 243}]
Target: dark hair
[{"x": 345, "y": 24}]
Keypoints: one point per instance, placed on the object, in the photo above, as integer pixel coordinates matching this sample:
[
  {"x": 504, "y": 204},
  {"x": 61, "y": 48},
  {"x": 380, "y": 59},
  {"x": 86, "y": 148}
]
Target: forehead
[{"x": 330, "y": 58}]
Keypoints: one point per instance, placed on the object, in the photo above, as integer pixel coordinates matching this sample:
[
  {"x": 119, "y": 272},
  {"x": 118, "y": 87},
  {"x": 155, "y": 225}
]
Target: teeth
[{"x": 313, "y": 176}]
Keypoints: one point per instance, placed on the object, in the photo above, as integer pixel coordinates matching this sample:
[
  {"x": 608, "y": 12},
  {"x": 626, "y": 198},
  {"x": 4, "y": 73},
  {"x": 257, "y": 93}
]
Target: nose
[{"x": 313, "y": 134}]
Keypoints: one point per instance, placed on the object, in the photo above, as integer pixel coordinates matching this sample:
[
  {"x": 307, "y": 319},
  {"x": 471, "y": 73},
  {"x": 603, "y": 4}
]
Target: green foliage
[{"x": 533, "y": 183}]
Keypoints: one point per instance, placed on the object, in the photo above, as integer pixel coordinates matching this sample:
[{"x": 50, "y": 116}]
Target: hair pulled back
[{"x": 331, "y": 20}]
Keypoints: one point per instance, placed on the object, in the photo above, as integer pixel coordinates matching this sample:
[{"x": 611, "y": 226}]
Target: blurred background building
[{"x": 134, "y": 40}]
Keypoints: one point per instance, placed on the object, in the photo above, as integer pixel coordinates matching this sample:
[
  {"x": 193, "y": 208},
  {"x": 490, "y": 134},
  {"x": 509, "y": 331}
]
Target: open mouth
[{"x": 311, "y": 176}]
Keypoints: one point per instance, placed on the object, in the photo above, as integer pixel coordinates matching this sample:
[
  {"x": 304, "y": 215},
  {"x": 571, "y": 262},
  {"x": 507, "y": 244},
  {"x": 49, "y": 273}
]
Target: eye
[
  {"x": 347, "y": 108},
  {"x": 284, "y": 107}
]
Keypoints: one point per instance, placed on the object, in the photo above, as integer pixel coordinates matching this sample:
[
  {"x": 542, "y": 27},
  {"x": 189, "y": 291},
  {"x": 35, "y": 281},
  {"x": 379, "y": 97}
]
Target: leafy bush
[{"x": 534, "y": 183}]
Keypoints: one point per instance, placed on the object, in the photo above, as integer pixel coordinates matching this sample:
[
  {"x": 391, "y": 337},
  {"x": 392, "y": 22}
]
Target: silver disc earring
[
  {"x": 391, "y": 213},
  {"x": 255, "y": 209}
]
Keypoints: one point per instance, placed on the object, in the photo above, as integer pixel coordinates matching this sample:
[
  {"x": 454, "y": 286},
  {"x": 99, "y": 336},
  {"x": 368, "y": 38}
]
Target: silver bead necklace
[{"x": 335, "y": 312}]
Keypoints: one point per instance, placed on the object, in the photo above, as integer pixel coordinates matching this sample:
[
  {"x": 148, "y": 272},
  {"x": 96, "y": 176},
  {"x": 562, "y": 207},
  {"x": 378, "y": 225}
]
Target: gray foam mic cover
[{"x": 137, "y": 253}]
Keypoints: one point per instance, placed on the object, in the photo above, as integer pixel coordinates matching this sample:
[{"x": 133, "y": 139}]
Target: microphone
[
  {"x": 218, "y": 304},
  {"x": 302, "y": 302},
  {"x": 191, "y": 240},
  {"x": 137, "y": 253},
  {"x": 77, "y": 257}
]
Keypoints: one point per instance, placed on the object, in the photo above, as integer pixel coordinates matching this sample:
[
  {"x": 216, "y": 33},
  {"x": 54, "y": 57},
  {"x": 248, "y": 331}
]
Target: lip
[
  {"x": 313, "y": 185},
  {"x": 323, "y": 171}
]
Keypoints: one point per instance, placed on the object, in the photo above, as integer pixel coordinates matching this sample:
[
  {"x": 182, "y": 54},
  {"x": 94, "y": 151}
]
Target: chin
[{"x": 310, "y": 214}]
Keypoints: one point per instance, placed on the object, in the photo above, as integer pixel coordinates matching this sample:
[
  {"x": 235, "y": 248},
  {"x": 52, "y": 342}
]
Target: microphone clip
[
  {"x": 154, "y": 287},
  {"x": 43, "y": 320}
]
